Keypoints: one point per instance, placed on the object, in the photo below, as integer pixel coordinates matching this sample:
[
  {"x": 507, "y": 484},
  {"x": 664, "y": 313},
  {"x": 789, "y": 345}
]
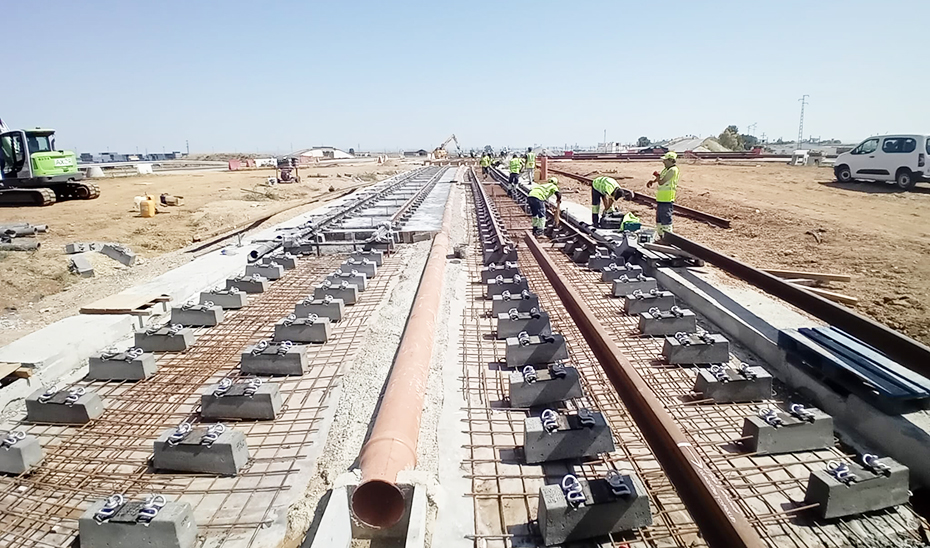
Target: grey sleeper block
[
  {"x": 609, "y": 274},
  {"x": 20, "y": 457},
  {"x": 738, "y": 387},
  {"x": 272, "y": 361},
  {"x": 264, "y": 404},
  {"x": 600, "y": 260},
  {"x": 198, "y": 315},
  {"x": 225, "y": 457},
  {"x": 794, "y": 435},
  {"x": 288, "y": 261},
  {"x": 357, "y": 279},
  {"x": 541, "y": 350},
  {"x": 81, "y": 266},
  {"x": 82, "y": 247},
  {"x": 872, "y": 491},
  {"x": 667, "y": 323},
  {"x": 334, "y": 309},
  {"x": 514, "y": 285},
  {"x": 121, "y": 367},
  {"x": 501, "y": 304},
  {"x": 581, "y": 254},
  {"x": 622, "y": 288},
  {"x": 227, "y": 299},
  {"x": 303, "y": 330},
  {"x": 248, "y": 284},
  {"x": 533, "y": 323},
  {"x": 507, "y": 270},
  {"x": 373, "y": 255},
  {"x": 637, "y": 304},
  {"x": 570, "y": 441},
  {"x": 172, "y": 527},
  {"x": 88, "y": 407},
  {"x": 348, "y": 293},
  {"x": 119, "y": 253},
  {"x": 547, "y": 389},
  {"x": 698, "y": 351},
  {"x": 164, "y": 340},
  {"x": 601, "y": 514},
  {"x": 366, "y": 267},
  {"x": 271, "y": 271}
]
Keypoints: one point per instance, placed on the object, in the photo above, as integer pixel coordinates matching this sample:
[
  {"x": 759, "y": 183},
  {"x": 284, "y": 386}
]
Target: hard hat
[
  {"x": 552, "y": 180},
  {"x": 670, "y": 155}
]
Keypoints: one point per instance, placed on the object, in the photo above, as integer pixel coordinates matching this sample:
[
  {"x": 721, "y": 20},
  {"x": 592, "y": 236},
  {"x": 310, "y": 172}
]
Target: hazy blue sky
[{"x": 247, "y": 76}]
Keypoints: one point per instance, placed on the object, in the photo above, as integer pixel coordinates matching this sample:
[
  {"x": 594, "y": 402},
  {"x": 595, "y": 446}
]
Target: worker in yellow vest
[
  {"x": 539, "y": 196},
  {"x": 606, "y": 190},
  {"x": 516, "y": 167},
  {"x": 531, "y": 164},
  {"x": 665, "y": 193},
  {"x": 485, "y": 164}
]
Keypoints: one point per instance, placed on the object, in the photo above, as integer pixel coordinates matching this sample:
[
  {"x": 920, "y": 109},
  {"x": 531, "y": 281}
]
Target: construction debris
[{"x": 20, "y": 236}]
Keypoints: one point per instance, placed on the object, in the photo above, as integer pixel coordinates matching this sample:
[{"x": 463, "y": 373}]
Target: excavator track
[
  {"x": 77, "y": 191},
  {"x": 27, "y": 197}
]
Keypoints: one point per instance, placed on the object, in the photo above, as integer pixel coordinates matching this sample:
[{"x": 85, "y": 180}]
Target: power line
[{"x": 803, "y": 100}]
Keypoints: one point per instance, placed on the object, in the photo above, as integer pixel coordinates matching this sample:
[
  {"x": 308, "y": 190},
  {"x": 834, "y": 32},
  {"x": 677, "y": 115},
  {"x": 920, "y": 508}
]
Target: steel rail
[
  {"x": 485, "y": 205},
  {"x": 721, "y": 521},
  {"x": 650, "y": 201},
  {"x": 416, "y": 199},
  {"x": 908, "y": 352}
]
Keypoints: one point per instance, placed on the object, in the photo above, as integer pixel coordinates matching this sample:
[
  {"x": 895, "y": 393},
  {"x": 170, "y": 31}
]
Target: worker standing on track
[
  {"x": 665, "y": 194},
  {"x": 516, "y": 167},
  {"x": 485, "y": 164},
  {"x": 604, "y": 189},
  {"x": 531, "y": 164},
  {"x": 539, "y": 196}
]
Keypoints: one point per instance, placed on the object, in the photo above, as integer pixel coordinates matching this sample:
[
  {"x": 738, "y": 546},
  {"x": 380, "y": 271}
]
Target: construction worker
[
  {"x": 485, "y": 164},
  {"x": 606, "y": 190},
  {"x": 539, "y": 196},
  {"x": 531, "y": 164},
  {"x": 665, "y": 193},
  {"x": 516, "y": 167}
]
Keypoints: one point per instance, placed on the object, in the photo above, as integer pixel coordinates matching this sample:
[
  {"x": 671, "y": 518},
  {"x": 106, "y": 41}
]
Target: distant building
[
  {"x": 611, "y": 147},
  {"x": 415, "y": 153},
  {"x": 316, "y": 154}
]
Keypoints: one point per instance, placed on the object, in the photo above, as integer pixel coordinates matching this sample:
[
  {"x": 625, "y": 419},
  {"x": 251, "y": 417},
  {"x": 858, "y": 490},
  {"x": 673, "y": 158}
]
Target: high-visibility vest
[
  {"x": 530, "y": 160},
  {"x": 485, "y": 161},
  {"x": 605, "y": 185},
  {"x": 516, "y": 165},
  {"x": 544, "y": 190},
  {"x": 666, "y": 190}
]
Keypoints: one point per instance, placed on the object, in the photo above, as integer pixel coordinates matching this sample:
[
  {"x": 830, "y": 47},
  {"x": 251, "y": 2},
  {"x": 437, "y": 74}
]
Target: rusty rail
[
  {"x": 721, "y": 521},
  {"x": 650, "y": 201}
]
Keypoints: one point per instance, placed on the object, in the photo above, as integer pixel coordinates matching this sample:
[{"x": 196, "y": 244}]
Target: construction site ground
[
  {"x": 800, "y": 218},
  {"x": 36, "y": 288}
]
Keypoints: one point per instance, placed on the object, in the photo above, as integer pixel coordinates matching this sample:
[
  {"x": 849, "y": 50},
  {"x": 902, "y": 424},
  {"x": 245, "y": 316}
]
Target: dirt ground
[
  {"x": 37, "y": 288},
  {"x": 871, "y": 231}
]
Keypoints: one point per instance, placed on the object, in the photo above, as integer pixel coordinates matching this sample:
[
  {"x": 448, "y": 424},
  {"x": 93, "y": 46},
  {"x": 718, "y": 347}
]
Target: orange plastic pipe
[{"x": 392, "y": 447}]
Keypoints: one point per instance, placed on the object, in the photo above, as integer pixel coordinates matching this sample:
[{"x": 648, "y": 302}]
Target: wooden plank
[
  {"x": 837, "y": 297},
  {"x": 801, "y": 281},
  {"x": 123, "y": 304},
  {"x": 7, "y": 368},
  {"x": 822, "y": 276}
]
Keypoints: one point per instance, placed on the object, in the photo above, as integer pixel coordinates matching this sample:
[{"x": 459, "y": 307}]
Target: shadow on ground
[{"x": 875, "y": 188}]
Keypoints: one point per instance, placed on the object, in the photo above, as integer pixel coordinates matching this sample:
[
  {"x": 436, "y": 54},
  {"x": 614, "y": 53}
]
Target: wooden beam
[
  {"x": 822, "y": 276},
  {"x": 801, "y": 281},
  {"x": 8, "y": 369},
  {"x": 837, "y": 297}
]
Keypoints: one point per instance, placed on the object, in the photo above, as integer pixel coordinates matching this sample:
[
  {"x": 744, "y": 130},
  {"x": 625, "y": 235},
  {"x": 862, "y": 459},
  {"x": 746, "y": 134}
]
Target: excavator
[
  {"x": 33, "y": 173},
  {"x": 441, "y": 152}
]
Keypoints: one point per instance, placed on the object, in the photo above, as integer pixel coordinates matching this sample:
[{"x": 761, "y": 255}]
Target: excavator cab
[{"x": 32, "y": 172}]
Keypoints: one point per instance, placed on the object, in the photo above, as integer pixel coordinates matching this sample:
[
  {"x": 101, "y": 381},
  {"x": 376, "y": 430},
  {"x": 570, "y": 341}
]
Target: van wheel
[
  {"x": 905, "y": 179},
  {"x": 843, "y": 174}
]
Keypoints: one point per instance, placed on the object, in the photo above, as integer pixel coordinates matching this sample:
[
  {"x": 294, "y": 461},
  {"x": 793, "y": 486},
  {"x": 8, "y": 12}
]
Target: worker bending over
[
  {"x": 607, "y": 190},
  {"x": 665, "y": 194},
  {"x": 539, "y": 196},
  {"x": 531, "y": 165},
  {"x": 485, "y": 164},
  {"x": 516, "y": 167}
]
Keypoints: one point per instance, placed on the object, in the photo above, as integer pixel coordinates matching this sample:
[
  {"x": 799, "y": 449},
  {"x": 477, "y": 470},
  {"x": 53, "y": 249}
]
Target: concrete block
[
  {"x": 569, "y": 440},
  {"x": 694, "y": 348},
  {"x": 81, "y": 266},
  {"x": 873, "y": 489},
  {"x": 372, "y": 255},
  {"x": 727, "y": 385},
  {"x": 364, "y": 266},
  {"x": 197, "y": 315},
  {"x": 173, "y": 526},
  {"x": 119, "y": 253},
  {"x": 345, "y": 292},
  {"x": 789, "y": 434},
  {"x": 523, "y": 302},
  {"x": 272, "y": 271},
  {"x": 625, "y": 285},
  {"x": 225, "y": 456},
  {"x": 657, "y": 323},
  {"x": 551, "y": 385},
  {"x": 581, "y": 254},
  {"x": 599, "y": 260},
  {"x": 250, "y": 400},
  {"x": 495, "y": 254},
  {"x": 536, "y": 350},
  {"x": 533, "y": 322},
  {"x": 570, "y": 246},
  {"x": 113, "y": 365},
  {"x": 273, "y": 358},
  {"x": 79, "y": 247},
  {"x": 514, "y": 285},
  {"x": 74, "y": 405},
  {"x": 248, "y": 284},
  {"x": 603, "y": 512},
  {"x": 174, "y": 338},
  {"x": 384, "y": 246},
  {"x": 305, "y": 330},
  {"x": 229, "y": 299},
  {"x": 638, "y": 303},
  {"x": 506, "y": 270},
  {"x": 335, "y": 528},
  {"x": 333, "y": 309},
  {"x": 286, "y": 260},
  {"x": 353, "y": 277},
  {"x": 612, "y": 272},
  {"x": 19, "y": 453}
]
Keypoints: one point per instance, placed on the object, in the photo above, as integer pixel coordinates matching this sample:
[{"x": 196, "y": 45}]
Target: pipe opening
[{"x": 378, "y": 504}]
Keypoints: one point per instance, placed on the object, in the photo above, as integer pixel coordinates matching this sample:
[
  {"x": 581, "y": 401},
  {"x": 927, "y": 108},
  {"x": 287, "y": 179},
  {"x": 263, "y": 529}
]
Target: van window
[
  {"x": 867, "y": 147},
  {"x": 899, "y": 144},
  {"x": 928, "y": 145}
]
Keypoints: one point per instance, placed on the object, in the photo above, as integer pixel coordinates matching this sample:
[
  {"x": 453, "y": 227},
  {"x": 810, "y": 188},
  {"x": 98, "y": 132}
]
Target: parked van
[{"x": 898, "y": 158}]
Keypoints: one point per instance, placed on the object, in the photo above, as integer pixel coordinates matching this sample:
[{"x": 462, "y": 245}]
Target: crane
[{"x": 440, "y": 151}]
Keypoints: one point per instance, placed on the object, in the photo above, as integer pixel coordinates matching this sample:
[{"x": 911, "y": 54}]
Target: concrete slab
[
  {"x": 173, "y": 526},
  {"x": 428, "y": 216},
  {"x": 335, "y": 528},
  {"x": 225, "y": 456}
]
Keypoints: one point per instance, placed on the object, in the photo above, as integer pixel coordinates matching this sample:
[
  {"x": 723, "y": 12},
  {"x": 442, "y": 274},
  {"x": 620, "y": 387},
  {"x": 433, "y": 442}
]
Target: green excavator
[{"x": 33, "y": 173}]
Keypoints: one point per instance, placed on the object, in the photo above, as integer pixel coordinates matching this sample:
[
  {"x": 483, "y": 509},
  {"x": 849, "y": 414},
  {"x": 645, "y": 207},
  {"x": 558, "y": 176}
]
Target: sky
[{"x": 271, "y": 76}]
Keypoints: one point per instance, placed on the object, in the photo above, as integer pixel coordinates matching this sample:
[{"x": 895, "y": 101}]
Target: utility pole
[
  {"x": 605, "y": 137},
  {"x": 803, "y": 100},
  {"x": 188, "y": 143},
  {"x": 751, "y": 128}
]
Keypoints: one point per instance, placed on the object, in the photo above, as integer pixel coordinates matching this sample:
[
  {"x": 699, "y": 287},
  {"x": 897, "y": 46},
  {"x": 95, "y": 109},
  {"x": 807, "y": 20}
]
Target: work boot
[
  {"x": 595, "y": 220},
  {"x": 537, "y": 232}
]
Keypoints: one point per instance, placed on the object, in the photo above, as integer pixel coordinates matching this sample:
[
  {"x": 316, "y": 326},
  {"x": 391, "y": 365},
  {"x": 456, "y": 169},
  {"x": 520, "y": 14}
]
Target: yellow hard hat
[
  {"x": 670, "y": 155},
  {"x": 552, "y": 180}
]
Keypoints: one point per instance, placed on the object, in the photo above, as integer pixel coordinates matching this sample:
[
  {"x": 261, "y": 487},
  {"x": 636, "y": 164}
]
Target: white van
[{"x": 898, "y": 158}]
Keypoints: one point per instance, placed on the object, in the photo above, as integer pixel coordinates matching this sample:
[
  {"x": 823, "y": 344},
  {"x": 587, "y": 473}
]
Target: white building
[{"x": 315, "y": 154}]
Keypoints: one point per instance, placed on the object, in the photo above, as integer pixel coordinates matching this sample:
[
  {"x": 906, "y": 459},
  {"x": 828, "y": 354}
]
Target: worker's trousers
[
  {"x": 513, "y": 182},
  {"x": 531, "y": 174},
  {"x": 664, "y": 217},
  {"x": 538, "y": 210},
  {"x": 596, "y": 198}
]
